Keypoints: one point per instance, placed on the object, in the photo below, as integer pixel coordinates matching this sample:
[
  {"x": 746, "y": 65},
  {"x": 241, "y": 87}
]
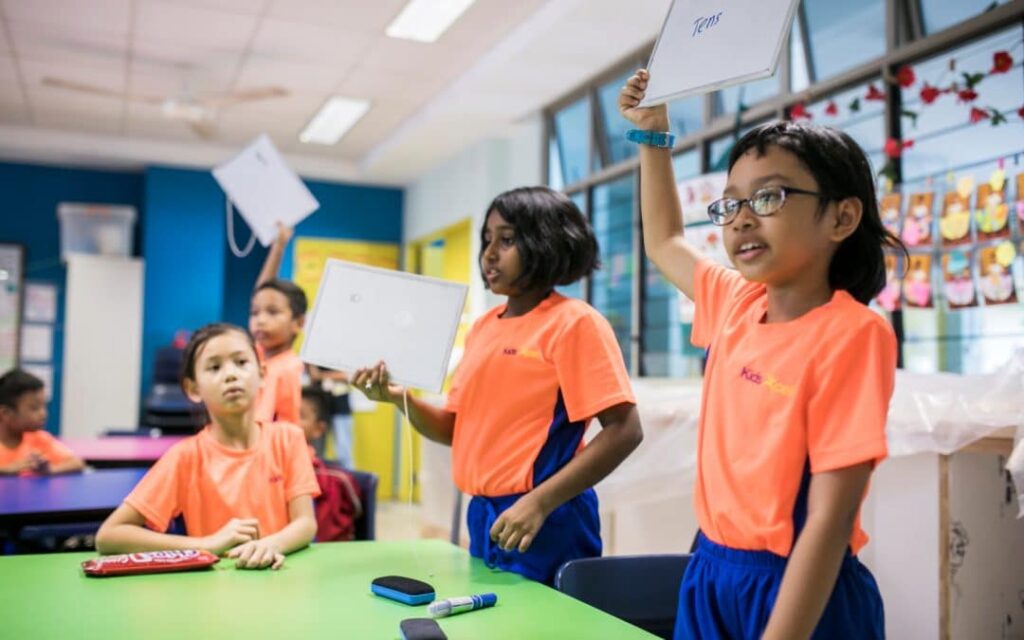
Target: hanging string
[{"x": 239, "y": 253}]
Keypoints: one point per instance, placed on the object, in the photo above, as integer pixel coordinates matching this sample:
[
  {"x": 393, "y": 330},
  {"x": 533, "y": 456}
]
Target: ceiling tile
[
  {"x": 70, "y": 15},
  {"x": 189, "y": 27},
  {"x": 310, "y": 43},
  {"x": 297, "y": 77},
  {"x": 5, "y": 43},
  {"x": 368, "y": 17},
  {"x": 250, "y": 7}
]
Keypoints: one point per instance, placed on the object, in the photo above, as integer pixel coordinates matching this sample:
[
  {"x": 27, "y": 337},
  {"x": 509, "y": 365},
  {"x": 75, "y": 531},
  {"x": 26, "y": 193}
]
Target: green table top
[{"x": 321, "y": 592}]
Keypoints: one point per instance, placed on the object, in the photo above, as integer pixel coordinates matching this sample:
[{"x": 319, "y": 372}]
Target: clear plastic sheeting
[
  {"x": 943, "y": 412},
  {"x": 664, "y": 465}
]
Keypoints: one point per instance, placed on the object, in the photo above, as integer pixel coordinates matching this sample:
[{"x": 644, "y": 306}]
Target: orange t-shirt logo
[{"x": 769, "y": 382}]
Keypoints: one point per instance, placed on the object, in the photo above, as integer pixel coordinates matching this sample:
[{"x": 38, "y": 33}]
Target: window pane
[
  {"x": 719, "y": 148},
  {"x": 615, "y": 126},
  {"x": 572, "y": 133},
  {"x": 948, "y": 148},
  {"x": 798, "y": 72},
  {"x": 612, "y": 285},
  {"x": 666, "y": 339},
  {"x": 939, "y": 14},
  {"x": 554, "y": 166},
  {"x": 944, "y": 137},
  {"x": 844, "y": 34},
  {"x": 575, "y": 290},
  {"x": 686, "y": 115},
  {"x": 729, "y": 100},
  {"x": 866, "y": 126}
]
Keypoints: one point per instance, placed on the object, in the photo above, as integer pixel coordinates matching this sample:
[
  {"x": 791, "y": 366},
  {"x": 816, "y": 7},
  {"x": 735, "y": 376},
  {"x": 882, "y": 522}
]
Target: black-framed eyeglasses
[{"x": 764, "y": 202}]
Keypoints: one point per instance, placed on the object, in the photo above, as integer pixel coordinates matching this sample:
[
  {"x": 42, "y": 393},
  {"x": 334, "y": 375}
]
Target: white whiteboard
[
  {"x": 265, "y": 190},
  {"x": 706, "y": 45},
  {"x": 363, "y": 315},
  {"x": 102, "y": 345}
]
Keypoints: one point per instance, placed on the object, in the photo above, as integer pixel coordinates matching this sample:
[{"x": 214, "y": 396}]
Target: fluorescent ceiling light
[
  {"x": 426, "y": 20},
  {"x": 334, "y": 119}
]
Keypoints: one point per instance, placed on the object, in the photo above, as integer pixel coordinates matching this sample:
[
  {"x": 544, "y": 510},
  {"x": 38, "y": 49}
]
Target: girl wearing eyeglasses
[{"x": 797, "y": 384}]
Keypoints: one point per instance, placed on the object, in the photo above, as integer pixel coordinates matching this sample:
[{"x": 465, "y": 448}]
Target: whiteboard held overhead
[
  {"x": 264, "y": 189},
  {"x": 706, "y": 45},
  {"x": 363, "y": 315}
]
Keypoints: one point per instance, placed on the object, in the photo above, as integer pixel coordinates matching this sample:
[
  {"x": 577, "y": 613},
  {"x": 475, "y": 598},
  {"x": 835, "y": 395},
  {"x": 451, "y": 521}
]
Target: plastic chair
[
  {"x": 642, "y": 590},
  {"x": 366, "y": 526}
]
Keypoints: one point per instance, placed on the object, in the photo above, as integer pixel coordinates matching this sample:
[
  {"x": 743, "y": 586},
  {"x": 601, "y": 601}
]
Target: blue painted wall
[
  {"x": 191, "y": 275},
  {"x": 31, "y": 194}
]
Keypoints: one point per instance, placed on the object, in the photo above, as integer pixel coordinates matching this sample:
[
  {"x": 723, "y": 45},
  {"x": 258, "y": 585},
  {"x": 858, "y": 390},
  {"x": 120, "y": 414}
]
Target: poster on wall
[
  {"x": 695, "y": 194},
  {"x": 1020, "y": 201},
  {"x": 917, "y": 224},
  {"x": 889, "y": 207},
  {"x": 958, "y": 284},
  {"x": 995, "y": 273},
  {"x": 992, "y": 214},
  {"x": 955, "y": 222},
  {"x": 889, "y": 297},
  {"x": 917, "y": 285},
  {"x": 11, "y": 274}
]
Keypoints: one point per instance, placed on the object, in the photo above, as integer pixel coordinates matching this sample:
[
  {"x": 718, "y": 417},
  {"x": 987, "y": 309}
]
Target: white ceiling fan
[{"x": 197, "y": 112}]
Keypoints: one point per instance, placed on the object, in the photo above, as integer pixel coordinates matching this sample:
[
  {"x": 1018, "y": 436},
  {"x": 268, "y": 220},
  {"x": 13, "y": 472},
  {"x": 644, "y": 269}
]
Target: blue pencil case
[{"x": 402, "y": 589}]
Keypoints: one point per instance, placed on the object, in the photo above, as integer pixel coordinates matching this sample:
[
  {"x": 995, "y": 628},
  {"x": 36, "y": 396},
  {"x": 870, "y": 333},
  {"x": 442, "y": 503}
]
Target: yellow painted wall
[{"x": 445, "y": 254}]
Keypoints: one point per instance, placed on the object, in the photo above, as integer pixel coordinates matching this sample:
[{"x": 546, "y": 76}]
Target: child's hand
[
  {"x": 518, "y": 525},
  {"x": 237, "y": 531},
  {"x": 284, "y": 234},
  {"x": 375, "y": 385},
  {"x": 649, "y": 118},
  {"x": 39, "y": 463},
  {"x": 257, "y": 554},
  {"x": 16, "y": 467}
]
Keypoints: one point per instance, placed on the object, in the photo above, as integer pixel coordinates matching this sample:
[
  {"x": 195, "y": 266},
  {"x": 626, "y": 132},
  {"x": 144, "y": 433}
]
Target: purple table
[
  {"x": 122, "y": 451},
  {"x": 73, "y": 497}
]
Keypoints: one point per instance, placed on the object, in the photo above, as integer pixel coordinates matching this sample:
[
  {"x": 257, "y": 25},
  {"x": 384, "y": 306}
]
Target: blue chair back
[
  {"x": 366, "y": 526},
  {"x": 642, "y": 590}
]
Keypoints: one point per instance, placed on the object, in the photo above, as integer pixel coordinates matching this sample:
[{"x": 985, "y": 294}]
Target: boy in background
[
  {"x": 339, "y": 504},
  {"x": 25, "y": 447},
  {"x": 276, "y": 315}
]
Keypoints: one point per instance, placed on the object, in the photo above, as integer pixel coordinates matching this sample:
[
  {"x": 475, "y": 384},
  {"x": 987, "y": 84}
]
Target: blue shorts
[
  {"x": 572, "y": 531},
  {"x": 729, "y": 593}
]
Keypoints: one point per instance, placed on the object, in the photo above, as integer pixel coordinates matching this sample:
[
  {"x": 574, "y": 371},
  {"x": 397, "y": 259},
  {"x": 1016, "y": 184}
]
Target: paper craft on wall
[
  {"x": 995, "y": 273},
  {"x": 1020, "y": 200},
  {"x": 889, "y": 297},
  {"x": 955, "y": 222},
  {"x": 917, "y": 285},
  {"x": 917, "y": 224},
  {"x": 958, "y": 283},
  {"x": 992, "y": 214},
  {"x": 890, "y": 210},
  {"x": 706, "y": 45},
  {"x": 695, "y": 194}
]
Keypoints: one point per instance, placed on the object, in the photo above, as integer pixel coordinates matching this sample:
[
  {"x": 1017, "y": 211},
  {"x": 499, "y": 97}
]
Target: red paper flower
[
  {"x": 1001, "y": 62},
  {"x": 1020, "y": 112},
  {"x": 874, "y": 94},
  {"x": 929, "y": 94},
  {"x": 798, "y": 111},
  {"x": 894, "y": 148},
  {"x": 832, "y": 109},
  {"x": 906, "y": 76},
  {"x": 967, "y": 95},
  {"x": 977, "y": 115}
]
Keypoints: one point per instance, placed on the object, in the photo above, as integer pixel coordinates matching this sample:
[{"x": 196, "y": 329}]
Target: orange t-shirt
[
  {"x": 779, "y": 396},
  {"x": 526, "y": 389},
  {"x": 39, "y": 441},
  {"x": 280, "y": 396},
  {"x": 209, "y": 483}
]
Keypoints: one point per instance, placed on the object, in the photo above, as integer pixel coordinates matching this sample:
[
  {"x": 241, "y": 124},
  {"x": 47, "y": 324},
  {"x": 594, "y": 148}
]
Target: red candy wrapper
[{"x": 149, "y": 562}]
